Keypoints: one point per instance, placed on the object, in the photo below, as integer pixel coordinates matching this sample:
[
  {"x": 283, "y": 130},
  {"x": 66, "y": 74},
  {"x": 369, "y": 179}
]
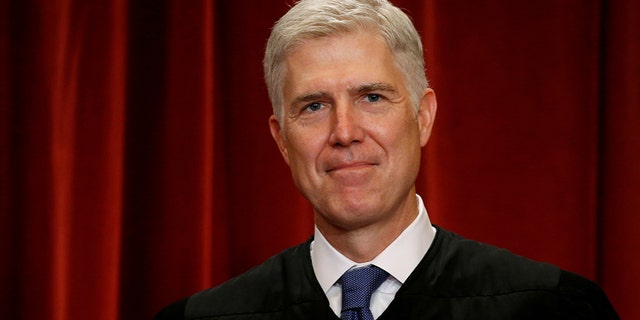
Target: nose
[{"x": 346, "y": 126}]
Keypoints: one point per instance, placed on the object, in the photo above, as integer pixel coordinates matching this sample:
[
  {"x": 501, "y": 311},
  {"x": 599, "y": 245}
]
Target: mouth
[{"x": 350, "y": 166}]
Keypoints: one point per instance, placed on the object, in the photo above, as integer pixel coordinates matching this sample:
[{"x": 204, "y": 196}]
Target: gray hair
[{"x": 312, "y": 19}]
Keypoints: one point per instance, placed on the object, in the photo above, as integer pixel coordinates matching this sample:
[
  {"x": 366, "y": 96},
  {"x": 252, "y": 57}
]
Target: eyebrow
[
  {"x": 376, "y": 86},
  {"x": 310, "y": 97}
]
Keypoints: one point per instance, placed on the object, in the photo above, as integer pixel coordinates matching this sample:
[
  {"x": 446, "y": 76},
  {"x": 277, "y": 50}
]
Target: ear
[
  {"x": 427, "y": 114},
  {"x": 276, "y": 133}
]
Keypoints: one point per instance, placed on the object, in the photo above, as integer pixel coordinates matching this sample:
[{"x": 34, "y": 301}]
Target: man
[{"x": 352, "y": 110}]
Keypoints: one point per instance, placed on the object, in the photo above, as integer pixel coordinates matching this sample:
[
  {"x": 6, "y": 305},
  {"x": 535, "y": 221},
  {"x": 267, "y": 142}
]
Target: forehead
[{"x": 338, "y": 61}]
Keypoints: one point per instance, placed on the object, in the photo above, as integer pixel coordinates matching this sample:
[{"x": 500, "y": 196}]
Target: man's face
[{"x": 350, "y": 134}]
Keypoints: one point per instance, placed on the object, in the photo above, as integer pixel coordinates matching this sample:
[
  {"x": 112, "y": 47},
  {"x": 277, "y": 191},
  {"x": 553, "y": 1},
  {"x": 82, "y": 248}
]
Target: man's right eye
[{"x": 314, "y": 106}]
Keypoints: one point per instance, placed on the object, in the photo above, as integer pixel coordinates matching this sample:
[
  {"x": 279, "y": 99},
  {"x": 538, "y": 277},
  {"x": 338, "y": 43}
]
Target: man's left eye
[{"x": 372, "y": 97}]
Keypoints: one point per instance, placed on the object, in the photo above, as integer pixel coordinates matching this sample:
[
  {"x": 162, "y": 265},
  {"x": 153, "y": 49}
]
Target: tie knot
[{"x": 358, "y": 284}]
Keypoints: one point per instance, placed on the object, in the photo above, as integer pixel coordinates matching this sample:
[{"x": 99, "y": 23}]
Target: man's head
[
  {"x": 312, "y": 19},
  {"x": 352, "y": 111}
]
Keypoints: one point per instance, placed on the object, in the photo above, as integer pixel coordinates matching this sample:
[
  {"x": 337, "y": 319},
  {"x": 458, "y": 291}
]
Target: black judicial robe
[{"x": 457, "y": 279}]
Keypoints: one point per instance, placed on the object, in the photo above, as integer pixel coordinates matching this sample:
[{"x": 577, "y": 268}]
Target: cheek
[
  {"x": 401, "y": 141},
  {"x": 304, "y": 149},
  {"x": 398, "y": 134}
]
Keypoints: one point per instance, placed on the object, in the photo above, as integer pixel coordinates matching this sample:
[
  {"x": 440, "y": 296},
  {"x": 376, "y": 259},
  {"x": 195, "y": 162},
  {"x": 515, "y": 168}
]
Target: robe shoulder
[
  {"x": 281, "y": 287},
  {"x": 174, "y": 311},
  {"x": 461, "y": 278}
]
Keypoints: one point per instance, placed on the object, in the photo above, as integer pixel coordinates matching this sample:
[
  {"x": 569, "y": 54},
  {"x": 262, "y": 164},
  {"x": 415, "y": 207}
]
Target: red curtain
[{"x": 136, "y": 165}]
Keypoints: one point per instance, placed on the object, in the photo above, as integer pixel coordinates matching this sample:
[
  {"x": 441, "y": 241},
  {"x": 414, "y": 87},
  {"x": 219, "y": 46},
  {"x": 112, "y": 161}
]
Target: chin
[{"x": 351, "y": 216}]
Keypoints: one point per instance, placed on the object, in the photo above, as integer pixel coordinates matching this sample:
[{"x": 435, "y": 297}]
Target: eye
[
  {"x": 315, "y": 106},
  {"x": 373, "y": 97}
]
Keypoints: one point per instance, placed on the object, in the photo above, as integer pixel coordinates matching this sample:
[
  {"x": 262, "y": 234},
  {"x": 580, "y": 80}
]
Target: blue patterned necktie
[{"x": 357, "y": 286}]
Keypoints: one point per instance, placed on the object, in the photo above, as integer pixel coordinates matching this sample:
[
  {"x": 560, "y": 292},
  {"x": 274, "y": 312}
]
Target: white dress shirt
[{"x": 399, "y": 259}]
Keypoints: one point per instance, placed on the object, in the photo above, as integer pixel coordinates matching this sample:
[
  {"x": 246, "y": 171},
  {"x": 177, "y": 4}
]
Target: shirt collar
[{"x": 399, "y": 259}]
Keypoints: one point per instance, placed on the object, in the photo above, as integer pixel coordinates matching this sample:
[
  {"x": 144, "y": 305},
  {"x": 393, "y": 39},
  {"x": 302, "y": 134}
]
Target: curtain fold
[
  {"x": 136, "y": 165},
  {"x": 620, "y": 156},
  {"x": 63, "y": 156},
  {"x": 514, "y": 153}
]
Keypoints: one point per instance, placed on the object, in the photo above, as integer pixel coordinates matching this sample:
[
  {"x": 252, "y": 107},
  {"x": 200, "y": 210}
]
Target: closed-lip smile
[{"x": 350, "y": 165}]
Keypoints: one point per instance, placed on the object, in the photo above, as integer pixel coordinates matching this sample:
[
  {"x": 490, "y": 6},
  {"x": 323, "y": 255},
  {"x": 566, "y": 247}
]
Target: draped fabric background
[{"x": 136, "y": 165}]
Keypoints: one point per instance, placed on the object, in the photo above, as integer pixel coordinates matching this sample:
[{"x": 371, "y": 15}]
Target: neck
[{"x": 365, "y": 242}]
